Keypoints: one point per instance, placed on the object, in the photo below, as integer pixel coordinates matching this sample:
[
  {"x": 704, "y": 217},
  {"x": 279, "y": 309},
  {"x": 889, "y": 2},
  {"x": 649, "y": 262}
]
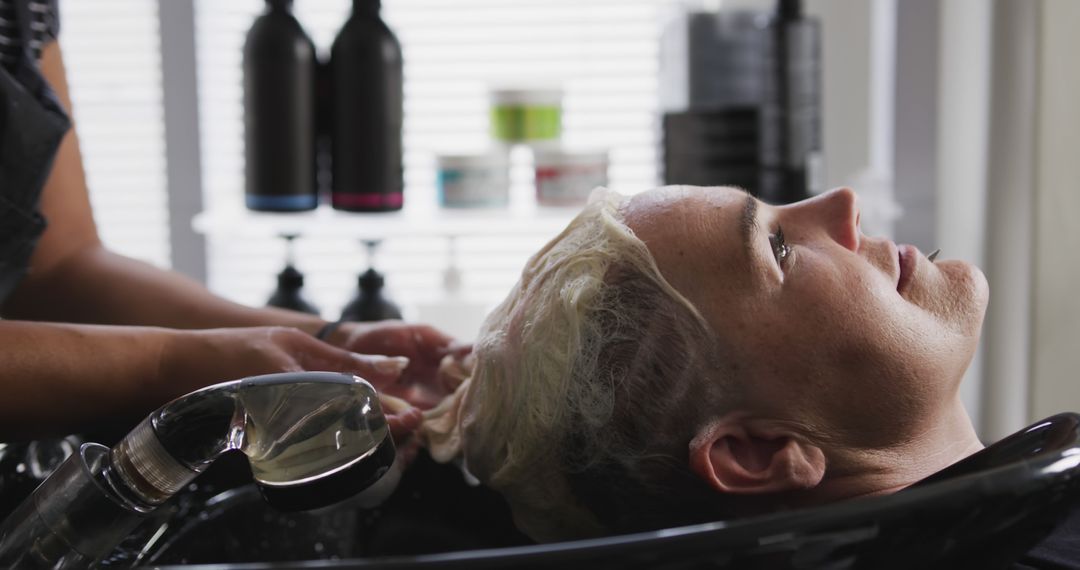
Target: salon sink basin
[
  {"x": 225, "y": 519},
  {"x": 983, "y": 512}
]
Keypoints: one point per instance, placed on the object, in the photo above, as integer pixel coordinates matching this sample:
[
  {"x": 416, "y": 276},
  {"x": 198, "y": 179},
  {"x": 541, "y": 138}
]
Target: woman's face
[{"x": 850, "y": 335}]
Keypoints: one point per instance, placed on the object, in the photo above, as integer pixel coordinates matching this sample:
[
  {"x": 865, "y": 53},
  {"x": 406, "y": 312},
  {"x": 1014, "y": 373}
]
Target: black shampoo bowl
[{"x": 984, "y": 512}]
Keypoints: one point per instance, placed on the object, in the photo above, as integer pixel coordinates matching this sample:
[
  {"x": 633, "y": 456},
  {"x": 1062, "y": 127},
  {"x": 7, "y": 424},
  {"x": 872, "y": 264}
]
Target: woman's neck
[{"x": 861, "y": 472}]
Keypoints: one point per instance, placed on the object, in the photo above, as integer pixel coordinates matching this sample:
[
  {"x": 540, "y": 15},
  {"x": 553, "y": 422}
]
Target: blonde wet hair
[{"x": 589, "y": 381}]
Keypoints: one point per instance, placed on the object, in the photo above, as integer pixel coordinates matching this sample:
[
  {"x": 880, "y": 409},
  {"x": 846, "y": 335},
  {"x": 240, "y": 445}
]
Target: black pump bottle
[
  {"x": 367, "y": 95},
  {"x": 280, "y": 67},
  {"x": 287, "y": 295},
  {"x": 369, "y": 303},
  {"x": 290, "y": 282}
]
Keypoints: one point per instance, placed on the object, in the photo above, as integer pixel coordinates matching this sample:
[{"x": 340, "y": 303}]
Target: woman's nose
[{"x": 838, "y": 213}]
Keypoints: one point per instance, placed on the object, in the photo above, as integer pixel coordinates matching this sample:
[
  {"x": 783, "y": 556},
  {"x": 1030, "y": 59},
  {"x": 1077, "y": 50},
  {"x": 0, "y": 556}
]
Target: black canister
[
  {"x": 280, "y": 67},
  {"x": 367, "y": 93},
  {"x": 790, "y": 135},
  {"x": 747, "y": 93}
]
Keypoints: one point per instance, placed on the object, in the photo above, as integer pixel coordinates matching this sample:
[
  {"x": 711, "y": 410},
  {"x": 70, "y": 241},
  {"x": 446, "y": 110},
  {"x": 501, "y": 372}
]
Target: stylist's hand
[
  {"x": 193, "y": 359},
  {"x": 421, "y": 383}
]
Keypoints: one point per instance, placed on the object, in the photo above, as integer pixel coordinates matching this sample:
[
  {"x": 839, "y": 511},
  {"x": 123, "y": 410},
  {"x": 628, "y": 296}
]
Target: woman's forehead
[
  {"x": 693, "y": 234},
  {"x": 683, "y": 209}
]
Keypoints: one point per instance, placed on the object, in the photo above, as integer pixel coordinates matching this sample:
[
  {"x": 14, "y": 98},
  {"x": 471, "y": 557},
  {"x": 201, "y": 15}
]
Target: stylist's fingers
[
  {"x": 459, "y": 350},
  {"x": 402, "y": 418},
  {"x": 403, "y": 425},
  {"x": 380, "y": 371},
  {"x": 431, "y": 338},
  {"x": 419, "y": 342},
  {"x": 383, "y": 372}
]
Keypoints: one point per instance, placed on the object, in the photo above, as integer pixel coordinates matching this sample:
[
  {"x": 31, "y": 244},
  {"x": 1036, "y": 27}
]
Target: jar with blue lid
[{"x": 474, "y": 180}]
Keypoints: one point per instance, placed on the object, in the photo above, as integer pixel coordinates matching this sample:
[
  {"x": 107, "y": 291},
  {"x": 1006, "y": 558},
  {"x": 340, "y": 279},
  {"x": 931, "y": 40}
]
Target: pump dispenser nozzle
[
  {"x": 370, "y": 304},
  {"x": 290, "y": 283}
]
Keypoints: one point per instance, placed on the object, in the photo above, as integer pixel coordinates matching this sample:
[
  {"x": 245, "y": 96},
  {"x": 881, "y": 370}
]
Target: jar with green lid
[{"x": 526, "y": 115}]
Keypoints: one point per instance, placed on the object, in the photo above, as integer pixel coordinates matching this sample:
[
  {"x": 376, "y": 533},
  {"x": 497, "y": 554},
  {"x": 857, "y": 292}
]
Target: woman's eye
[{"x": 779, "y": 247}]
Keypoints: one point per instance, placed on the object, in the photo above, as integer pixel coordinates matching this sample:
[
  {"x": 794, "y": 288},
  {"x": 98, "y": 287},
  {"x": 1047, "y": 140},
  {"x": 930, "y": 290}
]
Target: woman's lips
[{"x": 909, "y": 257}]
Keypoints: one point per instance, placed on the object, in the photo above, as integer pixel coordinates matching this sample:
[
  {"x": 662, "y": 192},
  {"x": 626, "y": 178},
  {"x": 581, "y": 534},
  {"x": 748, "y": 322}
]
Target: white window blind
[
  {"x": 113, "y": 59},
  {"x": 604, "y": 53}
]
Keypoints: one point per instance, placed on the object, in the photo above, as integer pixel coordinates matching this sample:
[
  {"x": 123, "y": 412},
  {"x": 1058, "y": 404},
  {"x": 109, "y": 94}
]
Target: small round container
[
  {"x": 526, "y": 115},
  {"x": 473, "y": 181},
  {"x": 566, "y": 178}
]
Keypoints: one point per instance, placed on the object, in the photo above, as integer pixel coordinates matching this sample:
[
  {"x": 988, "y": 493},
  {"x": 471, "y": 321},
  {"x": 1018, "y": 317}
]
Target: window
[
  {"x": 604, "y": 54},
  {"x": 113, "y": 59}
]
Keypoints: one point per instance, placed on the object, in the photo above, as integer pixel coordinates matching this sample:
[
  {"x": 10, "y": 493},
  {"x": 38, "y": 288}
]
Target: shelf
[{"x": 428, "y": 222}]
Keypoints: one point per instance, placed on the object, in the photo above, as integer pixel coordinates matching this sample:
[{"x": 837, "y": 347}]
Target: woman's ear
[{"x": 739, "y": 455}]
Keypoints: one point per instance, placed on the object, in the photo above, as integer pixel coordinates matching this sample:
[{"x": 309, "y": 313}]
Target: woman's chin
[
  {"x": 955, "y": 293},
  {"x": 969, "y": 292},
  {"x": 976, "y": 283}
]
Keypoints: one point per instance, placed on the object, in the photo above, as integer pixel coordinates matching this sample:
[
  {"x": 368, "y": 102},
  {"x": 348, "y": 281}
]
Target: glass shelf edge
[{"x": 327, "y": 222}]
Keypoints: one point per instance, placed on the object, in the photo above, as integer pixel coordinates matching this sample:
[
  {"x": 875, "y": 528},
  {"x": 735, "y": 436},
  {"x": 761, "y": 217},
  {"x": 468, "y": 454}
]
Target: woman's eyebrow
[{"x": 748, "y": 224}]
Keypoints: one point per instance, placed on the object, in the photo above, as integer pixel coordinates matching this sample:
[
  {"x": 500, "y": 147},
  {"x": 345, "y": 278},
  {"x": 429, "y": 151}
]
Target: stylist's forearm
[
  {"x": 97, "y": 286},
  {"x": 60, "y": 378},
  {"x": 74, "y": 279}
]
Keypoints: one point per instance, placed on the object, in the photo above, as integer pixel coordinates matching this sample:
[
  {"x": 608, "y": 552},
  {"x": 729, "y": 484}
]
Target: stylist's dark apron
[{"x": 32, "y": 123}]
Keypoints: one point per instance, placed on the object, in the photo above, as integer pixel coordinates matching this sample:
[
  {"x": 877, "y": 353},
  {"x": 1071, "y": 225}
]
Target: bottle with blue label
[{"x": 280, "y": 67}]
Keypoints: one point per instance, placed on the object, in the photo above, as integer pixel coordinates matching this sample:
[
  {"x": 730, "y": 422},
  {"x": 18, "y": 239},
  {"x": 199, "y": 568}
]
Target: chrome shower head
[{"x": 312, "y": 438}]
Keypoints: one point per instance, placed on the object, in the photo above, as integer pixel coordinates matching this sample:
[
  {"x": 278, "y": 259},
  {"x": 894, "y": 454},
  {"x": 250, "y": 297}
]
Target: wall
[
  {"x": 955, "y": 221},
  {"x": 1056, "y": 323},
  {"x": 915, "y": 160},
  {"x": 845, "y": 53},
  {"x": 1008, "y": 241}
]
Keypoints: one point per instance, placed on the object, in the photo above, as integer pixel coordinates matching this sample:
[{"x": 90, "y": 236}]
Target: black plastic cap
[
  {"x": 371, "y": 281},
  {"x": 367, "y": 5},
  {"x": 789, "y": 10},
  {"x": 290, "y": 279}
]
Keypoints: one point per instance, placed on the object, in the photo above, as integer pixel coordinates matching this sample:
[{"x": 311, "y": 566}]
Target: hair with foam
[{"x": 590, "y": 380}]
